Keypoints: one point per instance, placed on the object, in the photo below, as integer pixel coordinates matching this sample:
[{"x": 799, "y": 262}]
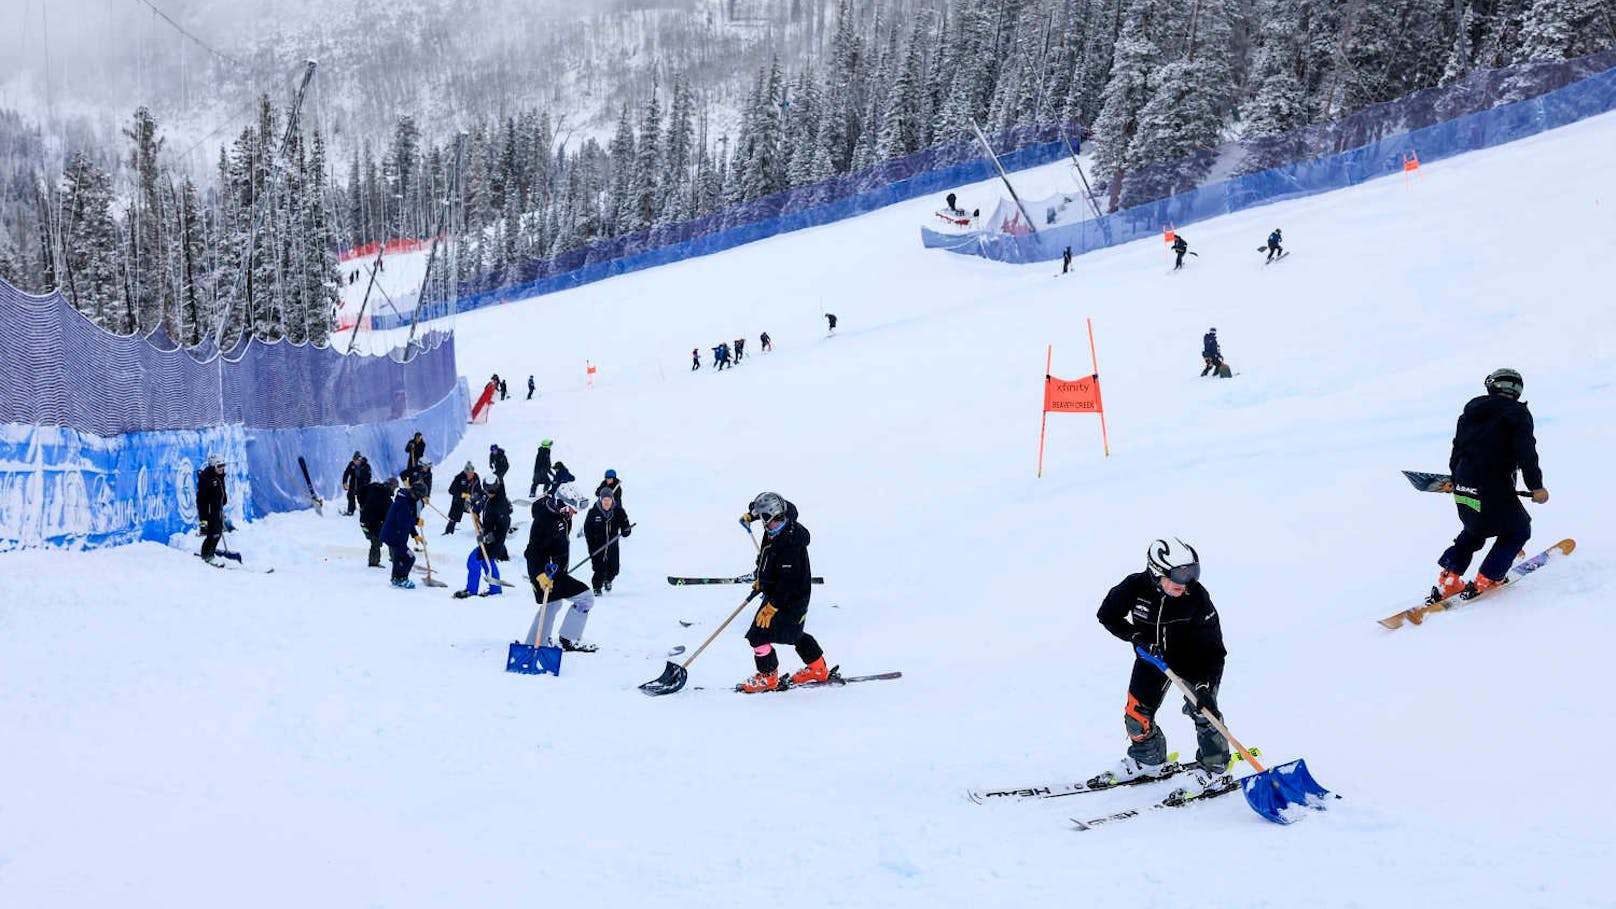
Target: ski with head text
[
  {"x": 1172, "y": 801},
  {"x": 1060, "y": 790},
  {"x": 738, "y": 579}
]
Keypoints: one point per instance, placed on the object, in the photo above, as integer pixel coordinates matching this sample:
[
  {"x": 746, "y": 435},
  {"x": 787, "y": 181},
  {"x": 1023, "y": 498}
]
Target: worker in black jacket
[
  {"x": 374, "y": 501},
  {"x": 461, "y": 490},
  {"x": 210, "y": 501},
  {"x": 1492, "y": 442},
  {"x": 355, "y": 477},
  {"x": 1165, "y": 610},
  {"x": 548, "y": 547},
  {"x": 785, "y": 580},
  {"x": 541, "y": 469},
  {"x": 606, "y": 519},
  {"x": 414, "y": 451}
]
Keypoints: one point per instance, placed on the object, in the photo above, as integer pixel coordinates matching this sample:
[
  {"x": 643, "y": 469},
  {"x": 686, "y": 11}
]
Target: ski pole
[{"x": 600, "y": 550}]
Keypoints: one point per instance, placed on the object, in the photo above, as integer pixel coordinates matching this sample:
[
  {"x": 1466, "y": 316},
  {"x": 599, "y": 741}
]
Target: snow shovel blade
[
  {"x": 672, "y": 679},
  {"x": 232, "y": 556},
  {"x": 1275, "y": 790}
]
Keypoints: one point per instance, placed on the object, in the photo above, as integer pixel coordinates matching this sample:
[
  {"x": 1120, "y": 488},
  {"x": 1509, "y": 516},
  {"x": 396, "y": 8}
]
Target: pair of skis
[
  {"x": 1060, "y": 790},
  {"x": 836, "y": 680},
  {"x": 747, "y": 578}
]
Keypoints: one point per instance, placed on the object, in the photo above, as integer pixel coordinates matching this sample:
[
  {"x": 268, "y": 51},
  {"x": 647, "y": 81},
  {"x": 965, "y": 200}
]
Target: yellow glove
[
  {"x": 420, "y": 522},
  {"x": 766, "y": 615},
  {"x": 545, "y": 582},
  {"x": 747, "y": 519},
  {"x": 1540, "y": 496},
  {"x": 417, "y": 538}
]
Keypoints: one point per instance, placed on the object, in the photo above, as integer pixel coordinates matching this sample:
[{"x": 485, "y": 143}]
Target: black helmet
[
  {"x": 768, "y": 506},
  {"x": 1505, "y": 381}
]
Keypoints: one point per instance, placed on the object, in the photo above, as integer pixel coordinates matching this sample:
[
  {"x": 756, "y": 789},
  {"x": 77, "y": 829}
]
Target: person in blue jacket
[
  {"x": 1210, "y": 351},
  {"x": 403, "y": 523}
]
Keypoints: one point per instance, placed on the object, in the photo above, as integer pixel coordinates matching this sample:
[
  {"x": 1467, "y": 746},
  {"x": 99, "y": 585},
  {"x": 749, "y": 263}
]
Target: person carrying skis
[
  {"x": 1180, "y": 247},
  {"x": 460, "y": 493},
  {"x": 831, "y": 318},
  {"x": 414, "y": 451},
  {"x": 1211, "y": 353},
  {"x": 606, "y": 519},
  {"x": 1165, "y": 610},
  {"x": 211, "y": 498},
  {"x": 548, "y": 547},
  {"x": 498, "y": 462},
  {"x": 610, "y": 483},
  {"x": 531, "y": 387},
  {"x": 695, "y": 358},
  {"x": 403, "y": 524},
  {"x": 1493, "y": 440},
  {"x": 541, "y": 469},
  {"x": 1273, "y": 246},
  {"x": 373, "y": 513},
  {"x": 763, "y": 339},
  {"x": 785, "y": 581},
  {"x": 355, "y": 477}
]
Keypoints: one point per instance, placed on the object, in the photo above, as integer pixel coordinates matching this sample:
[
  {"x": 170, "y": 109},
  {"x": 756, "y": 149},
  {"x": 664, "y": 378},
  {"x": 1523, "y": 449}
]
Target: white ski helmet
[
  {"x": 768, "y": 506},
  {"x": 1176, "y": 561},
  {"x": 215, "y": 460}
]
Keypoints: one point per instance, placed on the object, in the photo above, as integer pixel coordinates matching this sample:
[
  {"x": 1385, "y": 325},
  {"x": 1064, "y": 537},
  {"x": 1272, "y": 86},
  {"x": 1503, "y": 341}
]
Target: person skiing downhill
[
  {"x": 1273, "y": 246},
  {"x": 1180, "y": 247},
  {"x": 547, "y": 551},
  {"x": 1493, "y": 440},
  {"x": 1165, "y": 610},
  {"x": 211, "y": 498},
  {"x": 606, "y": 519},
  {"x": 786, "y": 582},
  {"x": 1211, "y": 353}
]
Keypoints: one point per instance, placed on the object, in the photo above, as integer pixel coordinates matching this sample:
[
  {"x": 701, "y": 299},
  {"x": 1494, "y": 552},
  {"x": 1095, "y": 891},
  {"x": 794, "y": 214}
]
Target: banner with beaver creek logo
[{"x": 1080, "y": 395}]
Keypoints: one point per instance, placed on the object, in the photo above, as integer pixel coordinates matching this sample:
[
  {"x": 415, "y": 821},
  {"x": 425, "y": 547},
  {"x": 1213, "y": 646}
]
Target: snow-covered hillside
[{"x": 179, "y": 736}]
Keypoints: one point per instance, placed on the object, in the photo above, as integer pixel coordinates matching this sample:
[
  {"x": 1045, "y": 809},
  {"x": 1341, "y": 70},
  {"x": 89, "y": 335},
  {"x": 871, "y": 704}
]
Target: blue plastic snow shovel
[
  {"x": 1269, "y": 792},
  {"x": 535, "y": 659}
]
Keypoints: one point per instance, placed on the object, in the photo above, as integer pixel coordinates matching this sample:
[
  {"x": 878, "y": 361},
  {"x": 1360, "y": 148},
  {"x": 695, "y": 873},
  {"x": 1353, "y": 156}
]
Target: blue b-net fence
[
  {"x": 934, "y": 170},
  {"x": 1488, "y": 109},
  {"x": 101, "y": 435}
]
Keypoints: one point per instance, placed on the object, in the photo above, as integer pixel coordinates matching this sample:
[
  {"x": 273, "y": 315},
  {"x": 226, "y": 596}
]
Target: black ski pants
[
  {"x": 1501, "y": 516},
  {"x": 403, "y": 561},
  {"x": 605, "y": 564},
  {"x": 785, "y": 626},
  {"x": 1147, "y": 687}
]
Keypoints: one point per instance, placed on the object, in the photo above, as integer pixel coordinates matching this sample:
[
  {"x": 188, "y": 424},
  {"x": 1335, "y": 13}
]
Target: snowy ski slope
[{"x": 179, "y": 736}]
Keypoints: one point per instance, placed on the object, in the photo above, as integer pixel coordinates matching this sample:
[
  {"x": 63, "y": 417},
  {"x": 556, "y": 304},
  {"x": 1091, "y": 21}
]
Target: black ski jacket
[
  {"x": 374, "y": 500},
  {"x": 613, "y": 486},
  {"x": 541, "y": 467},
  {"x": 549, "y": 541},
  {"x": 1492, "y": 441},
  {"x": 498, "y": 462},
  {"x": 356, "y": 476},
  {"x": 463, "y": 484},
  {"x": 1183, "y": 630},
  {"x": 210, "y": 498},
  {"x": 783, "y": 573},
  {"x": 600, "y": 525},
  {"x": 414, "y": 451}
]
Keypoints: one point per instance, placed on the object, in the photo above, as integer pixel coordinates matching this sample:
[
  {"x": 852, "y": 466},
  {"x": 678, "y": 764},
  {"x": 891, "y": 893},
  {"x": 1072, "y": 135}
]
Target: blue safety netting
[
  {"x": 1502, "y": 105},
  {"x": 936, "y": 169},
  {"x": 101, "y": 435}
]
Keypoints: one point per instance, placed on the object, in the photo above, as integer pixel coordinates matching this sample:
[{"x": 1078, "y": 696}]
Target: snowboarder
[
  {"x": 1211, "y": 353},
  {"x": 610, "y": 483},
  {"x": 768, "y": 345},
  {"x": 541, "y": 469},
  {"x": 498, "y": 462},
  {"x": 496, "y": 519},
  {"x": 784, "y": 579},
  {"x": 211, "y": 498},
  {"x": 1165, "y": 610},
  {"x": 606, "y": 519},
  {"x": 831, "y": 318},
  {"x": 460, "y": 494},
  {"x": 695, "y": 358},
  {"x": 414, "y": 451},
  {"x": 547, "y": 552},
  {"x": 373, "y": 513},
  {"x": 1180, "y": 247},
  {"x": 1066, "y": 260},
  {"x": 531, "y": 387},
  {"x": 740, "y": 349},
  {"x": 403, "y": 523},
  {"x": 355, "y": 477},
  {"x": 1492, "y": 442},
  {"x": 1273, "y": 246}
]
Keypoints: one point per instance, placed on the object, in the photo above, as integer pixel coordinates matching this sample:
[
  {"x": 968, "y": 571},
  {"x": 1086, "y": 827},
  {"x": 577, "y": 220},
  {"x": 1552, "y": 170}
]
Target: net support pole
[{"x": 1105, "y": 438}]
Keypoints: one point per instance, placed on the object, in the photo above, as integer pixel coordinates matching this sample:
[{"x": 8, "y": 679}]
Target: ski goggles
[{"x": 1184, "y": 574}]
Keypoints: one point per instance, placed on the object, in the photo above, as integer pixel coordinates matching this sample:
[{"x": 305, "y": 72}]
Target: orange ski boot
[
  {"x": 762, "y": 681},
  {"x": 813, "y": 672},
  {"x": 1479, "y": 586},
  {"x": 1447, "y": 584}
]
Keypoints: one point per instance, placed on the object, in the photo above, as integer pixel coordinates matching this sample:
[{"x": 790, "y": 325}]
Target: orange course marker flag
[{"x": 1072, "y": 395}]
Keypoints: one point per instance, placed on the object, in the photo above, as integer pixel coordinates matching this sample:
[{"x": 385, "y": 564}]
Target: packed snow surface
[{"x": 181, "y": 736}]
